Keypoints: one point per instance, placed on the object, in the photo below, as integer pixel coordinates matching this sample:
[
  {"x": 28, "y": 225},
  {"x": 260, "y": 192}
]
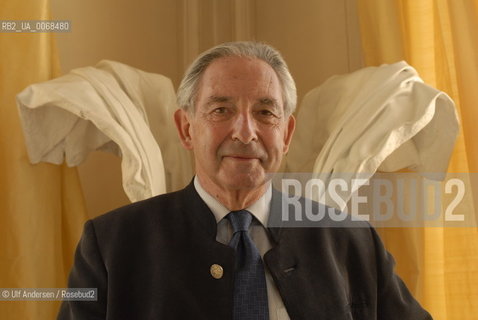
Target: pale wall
[{"x": 318, "y": 38}]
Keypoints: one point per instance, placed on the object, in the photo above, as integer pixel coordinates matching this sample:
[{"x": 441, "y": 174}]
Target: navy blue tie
[{"x": 250, "y": 290}]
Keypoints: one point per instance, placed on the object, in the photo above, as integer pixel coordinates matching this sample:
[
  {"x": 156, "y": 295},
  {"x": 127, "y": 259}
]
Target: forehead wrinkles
[{"x": 238, "y": 78}]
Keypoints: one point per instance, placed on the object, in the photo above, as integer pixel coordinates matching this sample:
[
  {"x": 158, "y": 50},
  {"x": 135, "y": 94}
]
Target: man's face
[{"x": 238, "y": 129}]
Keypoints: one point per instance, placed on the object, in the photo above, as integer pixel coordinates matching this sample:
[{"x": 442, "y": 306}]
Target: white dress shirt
[{"x": 260, "y": 210}]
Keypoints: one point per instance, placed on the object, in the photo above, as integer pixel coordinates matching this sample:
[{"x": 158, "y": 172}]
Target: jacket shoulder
[{"x": 141, "y": 210}]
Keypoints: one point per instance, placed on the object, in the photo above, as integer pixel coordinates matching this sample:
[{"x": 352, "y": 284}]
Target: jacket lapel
[{"x": 308, "y": 292}]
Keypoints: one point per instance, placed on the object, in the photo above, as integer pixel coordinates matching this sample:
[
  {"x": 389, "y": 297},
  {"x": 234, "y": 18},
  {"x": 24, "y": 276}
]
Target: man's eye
[
  {"x": 220, "y": 110},
  {"x": 265, "y": 112}
]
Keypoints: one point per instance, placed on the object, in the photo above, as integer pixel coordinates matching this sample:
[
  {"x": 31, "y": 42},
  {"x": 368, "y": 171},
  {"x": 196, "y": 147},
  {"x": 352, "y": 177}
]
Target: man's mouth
[{"x": 241, "y": 157}]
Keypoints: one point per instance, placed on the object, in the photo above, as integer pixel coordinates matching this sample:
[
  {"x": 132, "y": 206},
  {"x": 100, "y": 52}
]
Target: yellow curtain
[
  {"x": 440, "y": 39},
  {"x": 41, "y": 206}
]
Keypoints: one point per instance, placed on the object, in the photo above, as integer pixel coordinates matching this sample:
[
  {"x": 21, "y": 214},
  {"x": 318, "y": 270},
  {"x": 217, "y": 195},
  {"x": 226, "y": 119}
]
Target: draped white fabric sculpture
[
  {"x": 377, "y": 118},
  {"x": 108, "y": 107}
]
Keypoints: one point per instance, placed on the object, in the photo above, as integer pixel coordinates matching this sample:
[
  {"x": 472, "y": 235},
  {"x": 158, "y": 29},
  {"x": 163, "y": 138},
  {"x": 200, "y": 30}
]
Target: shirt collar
[{"x": 259, "y": 209}]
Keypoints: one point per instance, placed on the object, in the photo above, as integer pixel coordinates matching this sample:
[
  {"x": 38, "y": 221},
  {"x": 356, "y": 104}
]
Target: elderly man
[{"x": 206, "y": 252}]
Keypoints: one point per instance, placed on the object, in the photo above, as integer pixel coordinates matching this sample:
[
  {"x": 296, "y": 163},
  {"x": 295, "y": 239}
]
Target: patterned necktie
[{"x": 250, "y": 290}]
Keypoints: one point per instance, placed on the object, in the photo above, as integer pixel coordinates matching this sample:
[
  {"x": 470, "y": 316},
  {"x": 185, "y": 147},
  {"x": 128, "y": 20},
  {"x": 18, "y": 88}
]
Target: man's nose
[{"x": 244, "y": 128}]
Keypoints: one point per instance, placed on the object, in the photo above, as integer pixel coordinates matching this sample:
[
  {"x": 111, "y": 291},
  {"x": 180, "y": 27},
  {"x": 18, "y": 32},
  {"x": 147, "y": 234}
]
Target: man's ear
[
  {"x": 181, "y": 119},
  {"x": 289, "y": 132}
]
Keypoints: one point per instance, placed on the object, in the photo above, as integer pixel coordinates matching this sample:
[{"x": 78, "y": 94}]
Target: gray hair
[{"x": 188, "y": 88}]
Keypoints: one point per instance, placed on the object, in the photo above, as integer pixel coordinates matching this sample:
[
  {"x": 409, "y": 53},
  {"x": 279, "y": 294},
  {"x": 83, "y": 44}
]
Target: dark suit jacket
[{"x": 151, "y": 260}]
